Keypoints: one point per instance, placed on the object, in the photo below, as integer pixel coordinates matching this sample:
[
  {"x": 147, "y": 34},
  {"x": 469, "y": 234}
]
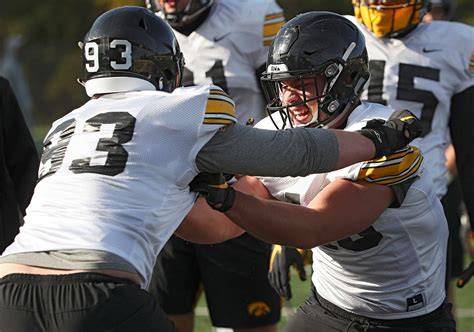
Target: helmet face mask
[
  {"x": 130, "y": 48},
  {"x": 323, "y": 54},
  {"x": 179, "y": 18},
  {"x": 297, "y": 96},
  {"x": 390, "y": 18}
]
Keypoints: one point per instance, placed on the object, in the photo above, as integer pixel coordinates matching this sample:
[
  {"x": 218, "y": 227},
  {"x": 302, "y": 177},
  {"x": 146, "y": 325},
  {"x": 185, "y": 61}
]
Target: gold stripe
[
  {"x": 218, "y": 121},
  {"x": 273, "y": 16},
  {"x": 272, "y": 29},
  {"x": 267, "y": 42},
  {"x": 401, "y": 178},
  {"x": 391, "y": 173},
  {"x": 219, "y": 106},
  {"x": 218, "y": 92},
  {"x": 385, "y": 169},
  {"x": 220, "y": 186},
  {"x": 396, "y": 178}
]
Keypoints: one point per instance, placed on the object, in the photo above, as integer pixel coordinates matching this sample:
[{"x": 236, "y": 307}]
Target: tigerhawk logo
[{"x": 258, "y": 309}]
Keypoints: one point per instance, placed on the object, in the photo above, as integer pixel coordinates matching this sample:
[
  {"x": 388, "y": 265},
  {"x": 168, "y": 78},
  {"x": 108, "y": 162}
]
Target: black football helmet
[
  {"x": 129, "y": 48},
  {"x": 321, "y": 45},
  {"x": 188, "y": 15}
]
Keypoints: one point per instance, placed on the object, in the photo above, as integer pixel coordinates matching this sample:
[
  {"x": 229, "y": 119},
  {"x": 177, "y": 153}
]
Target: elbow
[{"x": 308, "y": 244}]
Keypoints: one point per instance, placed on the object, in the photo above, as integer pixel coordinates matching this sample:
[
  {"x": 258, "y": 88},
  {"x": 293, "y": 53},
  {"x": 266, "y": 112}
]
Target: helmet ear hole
[
  {"x": 349, "y": 79},
  {"x": 168, "y": 75}
]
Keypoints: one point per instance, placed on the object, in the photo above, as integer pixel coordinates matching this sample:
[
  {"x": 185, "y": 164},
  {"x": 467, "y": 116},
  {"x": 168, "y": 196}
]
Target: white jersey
[
  {"x": 422, "y": 72},
  {"x": 114, "y": 174},
  {"x": 395, "y": 268},
  {"x": 228, "y": 48}
]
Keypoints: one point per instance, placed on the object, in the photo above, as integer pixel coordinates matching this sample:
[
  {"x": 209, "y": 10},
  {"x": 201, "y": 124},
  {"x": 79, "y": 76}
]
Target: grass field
[{"x": 464, "y": 309}]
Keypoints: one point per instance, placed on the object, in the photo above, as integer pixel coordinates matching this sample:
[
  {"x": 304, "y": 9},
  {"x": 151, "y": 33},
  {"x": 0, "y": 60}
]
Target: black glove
[
  {"x": 219, "y": 195},
  {"x": 279, "y": 272},
  {"x": 389, "y": 136},
  {"x": 466, "y": 276}
]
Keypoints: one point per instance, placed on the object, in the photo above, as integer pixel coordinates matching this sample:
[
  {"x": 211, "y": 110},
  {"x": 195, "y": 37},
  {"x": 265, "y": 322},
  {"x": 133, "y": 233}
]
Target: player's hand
[
  {"x": 219, "y": 195},
  {"x": 279, "y": 272},
  {"x": 466, "y": 276},
  {"x": 389, "y": 136}
]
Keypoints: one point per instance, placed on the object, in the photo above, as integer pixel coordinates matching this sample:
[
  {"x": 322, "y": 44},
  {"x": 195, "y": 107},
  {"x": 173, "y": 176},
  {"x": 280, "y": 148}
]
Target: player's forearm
[
  {"x": 296, "y": 152},
  {"x": 338, "y": 211},
  {"x": 206, "y": 226},
  {"x": 276, "y": 222},
  {"x": 353, "y": 148}
]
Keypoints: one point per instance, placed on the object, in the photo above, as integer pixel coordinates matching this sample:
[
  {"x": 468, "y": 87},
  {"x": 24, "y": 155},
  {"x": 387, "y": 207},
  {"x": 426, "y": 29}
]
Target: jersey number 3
[{"x": 110, "y": 157}]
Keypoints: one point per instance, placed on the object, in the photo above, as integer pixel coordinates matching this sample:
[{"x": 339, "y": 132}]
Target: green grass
[
  {"x": 464, "y": 298},
  {"x": 464, "y": 305}
]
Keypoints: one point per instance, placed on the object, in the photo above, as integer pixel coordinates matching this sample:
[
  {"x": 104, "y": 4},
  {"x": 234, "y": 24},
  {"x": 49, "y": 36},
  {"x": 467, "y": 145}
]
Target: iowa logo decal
[{"x": 258, "y": 309}]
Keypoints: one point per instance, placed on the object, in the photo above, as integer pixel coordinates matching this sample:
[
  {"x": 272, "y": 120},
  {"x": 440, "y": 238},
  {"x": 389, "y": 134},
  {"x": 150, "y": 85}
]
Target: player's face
[
  {"x": 171, "y": 6},
  {"x": 303, "y": 95}
]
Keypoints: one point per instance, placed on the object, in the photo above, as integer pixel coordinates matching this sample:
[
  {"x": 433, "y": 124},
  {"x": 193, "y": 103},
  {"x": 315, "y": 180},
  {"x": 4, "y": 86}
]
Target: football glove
[
  {"x": 219, "y": 195},
  {"x": 389, "y": 136},
  {"x": 281, "y": 260},
  {"x": 466, "y": 276}
]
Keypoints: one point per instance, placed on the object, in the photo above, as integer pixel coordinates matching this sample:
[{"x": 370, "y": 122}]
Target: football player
[
  {"x": 428, "y": 69},
  {"x": 225, "y": 43},
  {"x": 432, "y": 74},
  {"x": 376, "y": 228},
  {"x": 114, "y": 179}
]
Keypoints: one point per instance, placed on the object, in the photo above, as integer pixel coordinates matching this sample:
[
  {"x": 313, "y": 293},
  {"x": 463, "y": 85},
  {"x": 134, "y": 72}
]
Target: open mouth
[{"x": 301, "y": 115}]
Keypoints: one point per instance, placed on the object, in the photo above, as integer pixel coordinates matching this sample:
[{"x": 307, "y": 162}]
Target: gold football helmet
[{"x": 390, "y": 18}]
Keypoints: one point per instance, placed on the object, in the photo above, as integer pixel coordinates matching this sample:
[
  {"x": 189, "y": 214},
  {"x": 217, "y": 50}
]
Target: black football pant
[
  {"x": 83, "y": 302},
  {"x": 318, "y": 315}
]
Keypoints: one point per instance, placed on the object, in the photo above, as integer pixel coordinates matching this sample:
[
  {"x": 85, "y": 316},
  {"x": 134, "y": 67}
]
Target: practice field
[{"x": 464, "y": 311}]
